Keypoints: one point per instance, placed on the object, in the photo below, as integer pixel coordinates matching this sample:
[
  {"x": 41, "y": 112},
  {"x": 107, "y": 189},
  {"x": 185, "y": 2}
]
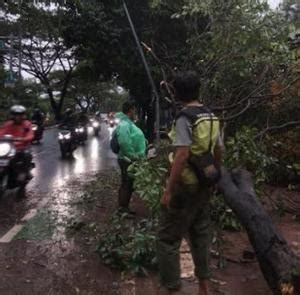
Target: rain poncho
[{"x": 131, "y": 139}]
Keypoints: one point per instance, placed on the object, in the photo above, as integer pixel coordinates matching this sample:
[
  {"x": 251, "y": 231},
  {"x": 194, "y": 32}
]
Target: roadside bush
[
  {"x": 242, "y": 150},
  {"x": 286, "y": 148}
]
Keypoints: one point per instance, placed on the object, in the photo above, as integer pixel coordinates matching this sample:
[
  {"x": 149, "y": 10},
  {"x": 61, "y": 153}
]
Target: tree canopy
[{"x": 241, "y": 49}]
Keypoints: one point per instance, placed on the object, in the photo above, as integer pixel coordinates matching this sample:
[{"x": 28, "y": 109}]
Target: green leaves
[
  {"x": 149, "y": 180},
  {"x": 129, "y": 246},
  {"x": 243, "y": 150}
]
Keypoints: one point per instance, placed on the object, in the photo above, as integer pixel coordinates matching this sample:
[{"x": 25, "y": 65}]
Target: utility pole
[{"x": 153, "y": 86}]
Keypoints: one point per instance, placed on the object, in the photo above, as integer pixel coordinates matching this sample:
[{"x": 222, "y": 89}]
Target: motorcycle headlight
[
  {"x": 12, "y": 152},
  {"x": 68, "y": 136},
  {"x": 60, "y": 136},
  {"x": 81, "y": 129},
  {"x": 95, "y": 124},
  {"x": 34, "y": 127},
  {"x": 5, "y": 149}
]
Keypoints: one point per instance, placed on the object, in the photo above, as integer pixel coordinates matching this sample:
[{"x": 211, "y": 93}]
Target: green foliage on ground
[{"x": 128, "y": 245}]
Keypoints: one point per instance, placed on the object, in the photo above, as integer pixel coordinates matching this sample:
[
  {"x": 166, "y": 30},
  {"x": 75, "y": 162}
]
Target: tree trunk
[
  {"x": 64, "y": 92},
  {"x": 150, "y": 124},
  {"x": 53, "y": 104},
  {"x": 278, "y": 263}
]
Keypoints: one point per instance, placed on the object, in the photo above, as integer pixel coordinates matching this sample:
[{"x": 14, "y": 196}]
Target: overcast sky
[{"x": 274, "y": 3}]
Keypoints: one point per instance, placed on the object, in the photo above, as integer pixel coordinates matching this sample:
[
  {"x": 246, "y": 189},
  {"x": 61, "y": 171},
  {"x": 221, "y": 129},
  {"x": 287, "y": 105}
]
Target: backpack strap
[
  {"x": 193, "y": 114},
  {"x": 211, "y": 130}
]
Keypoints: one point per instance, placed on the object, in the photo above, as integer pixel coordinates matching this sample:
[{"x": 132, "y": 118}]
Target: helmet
[
  {"x": 17, "y": 110},
  {"x": 69, "y": 111}
]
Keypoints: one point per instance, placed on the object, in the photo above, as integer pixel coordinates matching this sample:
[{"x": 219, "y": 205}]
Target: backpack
[
  {"x": 205, "y": 167},
  {"x": 114, "y": 143}
]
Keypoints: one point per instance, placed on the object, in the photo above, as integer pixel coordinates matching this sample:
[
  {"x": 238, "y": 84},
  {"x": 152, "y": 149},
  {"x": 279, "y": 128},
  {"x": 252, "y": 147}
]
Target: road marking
[
  {"x": 42, "y": 203},
  {"x": 29, "y": 215},
  {"x": 7, "y": 238}
]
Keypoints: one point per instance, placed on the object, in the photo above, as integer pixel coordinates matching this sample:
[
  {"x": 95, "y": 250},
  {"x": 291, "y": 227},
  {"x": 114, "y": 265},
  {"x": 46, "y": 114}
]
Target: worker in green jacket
[{"x": 132, "y": 146}]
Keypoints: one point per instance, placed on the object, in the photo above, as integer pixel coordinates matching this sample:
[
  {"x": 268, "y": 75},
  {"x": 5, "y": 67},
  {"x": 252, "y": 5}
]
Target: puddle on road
[
  {"x": 52, "y": 172},
  {"x": 53, "y": 221}
]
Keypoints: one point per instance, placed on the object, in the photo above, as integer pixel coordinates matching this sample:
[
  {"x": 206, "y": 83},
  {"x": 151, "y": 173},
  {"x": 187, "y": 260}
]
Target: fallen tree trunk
[{"x": 279, "y": 265}]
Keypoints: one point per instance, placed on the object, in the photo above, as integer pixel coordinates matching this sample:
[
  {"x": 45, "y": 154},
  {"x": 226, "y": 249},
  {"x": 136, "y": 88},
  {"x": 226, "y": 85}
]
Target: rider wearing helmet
[
  {"x": 38, "y": 116},
  {"x": 19, "y": 128},
  {"x": 69, "y": 119},
  {"x": 83, "y": 118},
  {"x": 21, "y": 131}
]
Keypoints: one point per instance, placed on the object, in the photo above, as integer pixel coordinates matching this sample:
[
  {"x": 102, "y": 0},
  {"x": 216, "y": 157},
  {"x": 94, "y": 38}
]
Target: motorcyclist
[
  {"x": 83, "y": 119},
  {"x": 98, "y": 116},
  {"x": 38, "y": 116},
  {"x": 69, "y": 119},
  {"x": 21, "y": 131}
]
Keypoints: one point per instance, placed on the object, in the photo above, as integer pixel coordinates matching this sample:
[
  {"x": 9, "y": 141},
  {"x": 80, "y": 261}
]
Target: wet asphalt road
[
  {"x": 53, "y": 174},
  {"x": 52, "y": 171}
]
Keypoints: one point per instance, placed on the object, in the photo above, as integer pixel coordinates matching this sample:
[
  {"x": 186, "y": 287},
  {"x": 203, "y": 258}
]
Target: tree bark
[
  {"x": 53, "y": 104},
  {"x": 64, "y": 92},
  {"x": 278, "y": 263}
]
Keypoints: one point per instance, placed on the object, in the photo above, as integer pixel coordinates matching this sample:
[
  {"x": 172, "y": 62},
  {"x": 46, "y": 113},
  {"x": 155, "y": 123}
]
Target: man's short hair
[
  {"x": 128, "y": 106},
  {"x": 187, "y": 86}
]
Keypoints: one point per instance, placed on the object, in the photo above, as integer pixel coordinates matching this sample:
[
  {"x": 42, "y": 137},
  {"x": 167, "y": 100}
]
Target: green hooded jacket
[{"x": 130, "y": 138}]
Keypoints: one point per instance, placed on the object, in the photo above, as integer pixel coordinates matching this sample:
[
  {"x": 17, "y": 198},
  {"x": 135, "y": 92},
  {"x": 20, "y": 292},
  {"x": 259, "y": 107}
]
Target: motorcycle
[
  {"x": 14, "y": 171},
  {"x": 114, "y": 122},
  {"x": 38, "y": 130},
  {"x": 81, "y": 134},
  {"x": 95, "y": 124},
  {"x": 67, "y": 143}
]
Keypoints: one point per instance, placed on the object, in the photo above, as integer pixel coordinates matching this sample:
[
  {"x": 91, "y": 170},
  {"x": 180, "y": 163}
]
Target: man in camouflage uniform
[{"x": 185, "y": 208}]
